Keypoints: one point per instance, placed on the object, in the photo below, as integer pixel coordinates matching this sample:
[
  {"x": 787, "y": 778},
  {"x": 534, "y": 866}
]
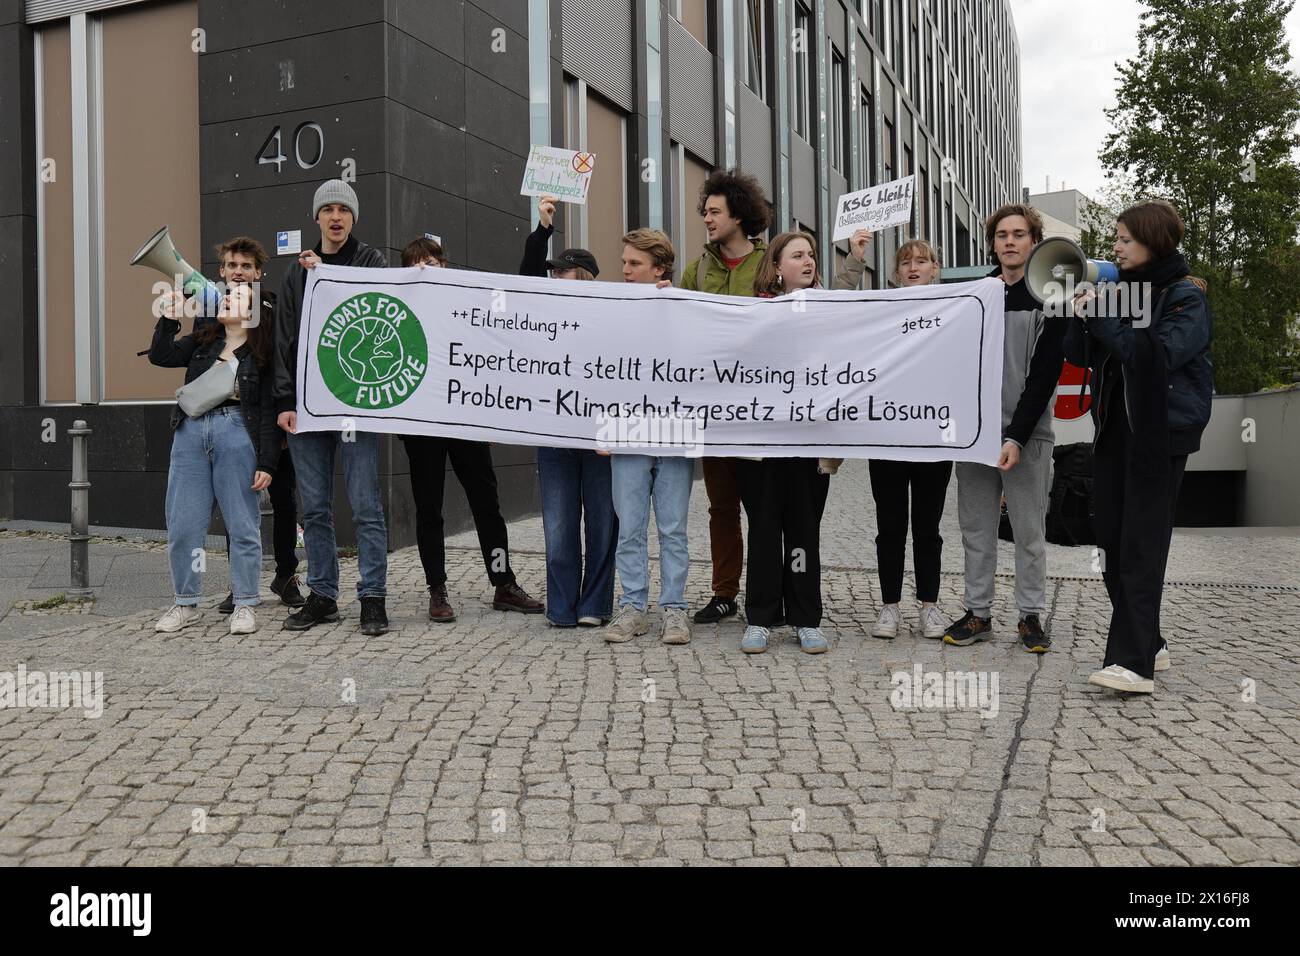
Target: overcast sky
[{"x": 1068, "y": 52}]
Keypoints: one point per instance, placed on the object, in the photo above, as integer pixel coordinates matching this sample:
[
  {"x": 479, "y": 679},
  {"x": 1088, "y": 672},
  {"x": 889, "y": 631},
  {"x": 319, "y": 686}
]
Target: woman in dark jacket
[
  {"x": 228, "y": 453},
  {"x": 1152, "y": 387}
]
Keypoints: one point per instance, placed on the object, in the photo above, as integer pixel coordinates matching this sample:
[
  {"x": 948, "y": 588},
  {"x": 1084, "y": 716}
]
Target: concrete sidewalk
[
  {"x": 128, "y": 573},
  {"x": 500, "y": 739}
]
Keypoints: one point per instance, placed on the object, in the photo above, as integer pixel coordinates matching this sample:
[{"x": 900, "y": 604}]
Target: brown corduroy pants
[{"x": 725, "y": 540}]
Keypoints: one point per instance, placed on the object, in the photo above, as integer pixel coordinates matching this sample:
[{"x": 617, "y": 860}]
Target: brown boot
[
  {"x": 511, "y": 597},
  {"x": 439, "y": 610}
]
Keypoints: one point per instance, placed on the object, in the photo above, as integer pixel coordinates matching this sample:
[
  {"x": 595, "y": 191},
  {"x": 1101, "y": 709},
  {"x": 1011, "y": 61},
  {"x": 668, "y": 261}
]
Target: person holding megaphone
[
  {"x": 1153, "y": 385},
  {"x": 225, "y": 446}
]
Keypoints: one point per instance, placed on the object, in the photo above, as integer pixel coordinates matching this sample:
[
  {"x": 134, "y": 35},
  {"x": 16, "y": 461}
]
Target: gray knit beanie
[{"x": 336, "y": 190}]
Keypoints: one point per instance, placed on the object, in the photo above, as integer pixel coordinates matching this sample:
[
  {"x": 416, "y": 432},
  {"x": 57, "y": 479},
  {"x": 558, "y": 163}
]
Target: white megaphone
[
  {"x": 160, "y": 254},
  {"x": 1058, "y": 264}
]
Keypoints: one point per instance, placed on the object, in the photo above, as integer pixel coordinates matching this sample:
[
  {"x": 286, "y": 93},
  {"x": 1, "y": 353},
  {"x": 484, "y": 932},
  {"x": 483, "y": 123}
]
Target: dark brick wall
[{"x": 411, "y": 91}]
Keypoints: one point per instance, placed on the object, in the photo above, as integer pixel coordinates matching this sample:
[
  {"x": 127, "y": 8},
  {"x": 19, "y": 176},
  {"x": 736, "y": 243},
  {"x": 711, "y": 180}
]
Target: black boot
[
  {"x": 316, "y": 609},
  {"x": 374, "y": 619},
  {"x": 286, "y": 589}
]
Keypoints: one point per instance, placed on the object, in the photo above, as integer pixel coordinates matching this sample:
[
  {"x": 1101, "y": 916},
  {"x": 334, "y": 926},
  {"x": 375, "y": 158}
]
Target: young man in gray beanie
[{"x": 336, "y": 211}]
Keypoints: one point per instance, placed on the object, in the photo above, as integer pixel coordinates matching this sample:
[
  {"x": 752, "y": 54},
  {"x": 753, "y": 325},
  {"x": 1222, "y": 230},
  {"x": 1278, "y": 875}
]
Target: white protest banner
[
  {"x": 908, "y": 374},
  {"x": 562, "y": 173},
  {"x": 874, "y": 208}
]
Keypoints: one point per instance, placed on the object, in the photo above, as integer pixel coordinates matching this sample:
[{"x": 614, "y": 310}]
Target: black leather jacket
[{"x": 256, "y": 401}]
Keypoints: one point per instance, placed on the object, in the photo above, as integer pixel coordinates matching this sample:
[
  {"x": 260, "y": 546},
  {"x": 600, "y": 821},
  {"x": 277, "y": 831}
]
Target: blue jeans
[
  {"x": 576, "y": 489},
  {"x": 639, "y": 480},
  {"x": 313, "y": 460},
  {"x": 213, "y": 457}
]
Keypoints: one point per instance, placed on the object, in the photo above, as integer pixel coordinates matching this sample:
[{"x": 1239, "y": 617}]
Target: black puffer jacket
[{"x": 256, "y": 401}]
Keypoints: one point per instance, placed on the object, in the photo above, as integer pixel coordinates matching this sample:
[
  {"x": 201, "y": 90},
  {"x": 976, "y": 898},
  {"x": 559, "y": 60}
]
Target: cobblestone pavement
[{"x": 499, "y": 739}]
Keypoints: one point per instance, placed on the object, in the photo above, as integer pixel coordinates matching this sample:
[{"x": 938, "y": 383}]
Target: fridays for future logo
[{"x": 372, "y": 352}]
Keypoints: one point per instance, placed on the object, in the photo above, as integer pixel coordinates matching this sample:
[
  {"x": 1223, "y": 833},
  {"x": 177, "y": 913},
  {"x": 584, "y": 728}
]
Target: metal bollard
[{"x": 79, "y": 535}]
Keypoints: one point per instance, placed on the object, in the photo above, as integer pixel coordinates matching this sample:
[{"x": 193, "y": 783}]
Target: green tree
[
  {"x": 1206, "y": 117},
  {"x": 1097, "y": 218}
]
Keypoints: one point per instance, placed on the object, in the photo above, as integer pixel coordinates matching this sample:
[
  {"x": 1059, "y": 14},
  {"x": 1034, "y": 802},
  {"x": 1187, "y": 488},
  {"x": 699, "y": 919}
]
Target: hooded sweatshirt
[{"x": 1032, "y": 356}]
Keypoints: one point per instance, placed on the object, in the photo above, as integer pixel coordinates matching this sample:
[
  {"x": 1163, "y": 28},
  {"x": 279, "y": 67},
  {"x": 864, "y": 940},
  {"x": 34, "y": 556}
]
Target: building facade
[{"x": 220, "y": 117}]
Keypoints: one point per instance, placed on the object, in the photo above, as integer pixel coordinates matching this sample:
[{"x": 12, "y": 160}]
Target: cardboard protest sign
[
  {"x": 562, "y": 173},
  {"x": 875, "y": 208}
]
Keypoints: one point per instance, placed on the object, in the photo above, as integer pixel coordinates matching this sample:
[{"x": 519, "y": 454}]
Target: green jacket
[{"x": 718, "y": 278}]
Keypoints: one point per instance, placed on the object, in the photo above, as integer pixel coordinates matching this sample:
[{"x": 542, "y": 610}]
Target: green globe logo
[{"x": 372, "y": 352}]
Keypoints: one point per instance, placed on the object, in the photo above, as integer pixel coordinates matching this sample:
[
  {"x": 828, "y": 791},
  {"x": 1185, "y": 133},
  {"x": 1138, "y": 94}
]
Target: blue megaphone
[
  {"x": 1058, "y": 263},
  {"x": 160, "y": 254}
]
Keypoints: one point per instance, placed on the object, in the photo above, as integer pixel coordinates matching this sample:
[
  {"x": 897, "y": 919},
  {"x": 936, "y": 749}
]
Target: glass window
[
  {"x": 755, "y": 43},
  {"x": 914, "y": 69},
  {"x": 896, "y": 36},
  {"x": 839, "y": 142},
  {"x": 888, "y": 158},
  {"x": 59, "y": 332},
  {"x": 803, "y": 71},
  {"x": 145, "y": 186},
  {"x": 866, "y": 139}
]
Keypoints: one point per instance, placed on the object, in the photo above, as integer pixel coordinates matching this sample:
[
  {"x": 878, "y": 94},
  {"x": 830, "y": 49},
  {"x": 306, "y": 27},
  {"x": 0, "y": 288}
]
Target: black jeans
[
  {"x": 784, "y": 500},
  {"x": 472, "y": 462},
  {"x": 889, "y": 484},
  {"x": 284, "y": 517},
  {"x": 1133, "y": 516}
]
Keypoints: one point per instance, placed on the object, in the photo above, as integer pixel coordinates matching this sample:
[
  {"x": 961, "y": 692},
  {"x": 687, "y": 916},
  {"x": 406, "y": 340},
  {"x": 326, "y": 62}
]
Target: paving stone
[{"x": 499, "y": 740}]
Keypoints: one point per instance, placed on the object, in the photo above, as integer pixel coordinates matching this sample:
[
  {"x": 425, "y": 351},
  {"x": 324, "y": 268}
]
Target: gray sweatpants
[{"x": 1027, "y": 488}]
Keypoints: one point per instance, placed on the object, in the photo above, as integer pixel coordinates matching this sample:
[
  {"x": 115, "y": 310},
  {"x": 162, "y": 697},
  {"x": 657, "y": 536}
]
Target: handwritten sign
[
  {"x": 875, "y": 208},
  {"x": 562, "y": 173}
]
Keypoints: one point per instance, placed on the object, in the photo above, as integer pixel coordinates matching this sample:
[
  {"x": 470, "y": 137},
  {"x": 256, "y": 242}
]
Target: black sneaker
[
  {"x": 1032, "y": 637},
  {"x": 968, "y": 629},
  {"x": 287, "y": 590},
  {"x": 716, "y": 610},
  {"x": 374, "y": 619},
  {"x": 316, "y": 609},
  {"x": 228, "y": 605}
]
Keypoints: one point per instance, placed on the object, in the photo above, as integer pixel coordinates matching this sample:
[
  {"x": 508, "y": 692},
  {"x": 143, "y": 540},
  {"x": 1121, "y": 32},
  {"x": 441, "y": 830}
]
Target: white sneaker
[
  {"x": 180, "y": 615},
  {"x": 1162, "y": 659},
  {"x": 1123, "y": 679},
  {"x": 887, "y": 625},
  {"x": 628, "y": 623},
  {"x": 677, "y": 629},
  {"x": 932, "y": 622},
  {"x": 243, "y": 621}
]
